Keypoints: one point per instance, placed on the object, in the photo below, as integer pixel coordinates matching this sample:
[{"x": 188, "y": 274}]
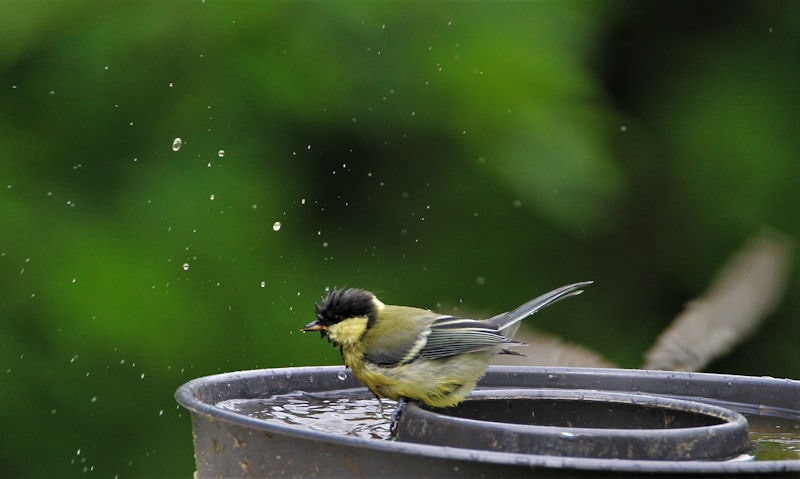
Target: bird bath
[{"x": 694, "y": 419}]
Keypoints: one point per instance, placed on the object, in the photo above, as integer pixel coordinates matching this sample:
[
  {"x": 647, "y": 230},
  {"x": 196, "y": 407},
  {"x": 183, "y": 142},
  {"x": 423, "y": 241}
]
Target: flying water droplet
[
  {"x": 176, "y": 144},
  {"x": 186, "y": 266},
  {"x": 276, "y": 226},
  {"x": 221, "y": 153}
]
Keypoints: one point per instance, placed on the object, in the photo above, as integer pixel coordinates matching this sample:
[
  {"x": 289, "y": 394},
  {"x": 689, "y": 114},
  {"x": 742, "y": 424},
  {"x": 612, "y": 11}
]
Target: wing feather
[{"x": 450, "y": 336}]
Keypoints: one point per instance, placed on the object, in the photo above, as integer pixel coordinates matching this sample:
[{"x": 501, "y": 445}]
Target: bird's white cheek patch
[{"x": 348, "y": 331}]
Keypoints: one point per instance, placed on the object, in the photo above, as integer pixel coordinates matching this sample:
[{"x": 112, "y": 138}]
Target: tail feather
[{"x": 509, "y": 320}]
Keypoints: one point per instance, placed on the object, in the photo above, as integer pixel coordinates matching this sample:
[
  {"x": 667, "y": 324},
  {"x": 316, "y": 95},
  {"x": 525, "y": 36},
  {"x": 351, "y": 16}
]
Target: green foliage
[{"x": 459, "y": 156}]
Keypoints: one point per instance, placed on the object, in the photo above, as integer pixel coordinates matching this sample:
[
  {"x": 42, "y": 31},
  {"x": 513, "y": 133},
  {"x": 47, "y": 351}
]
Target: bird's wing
[
  {"x": 450, "y": 336},
  {"x": 392, "y": 345}
]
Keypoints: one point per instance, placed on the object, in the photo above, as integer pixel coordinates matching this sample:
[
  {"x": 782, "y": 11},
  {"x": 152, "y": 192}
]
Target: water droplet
[
  {"x": 211, "y": 197},
  {"x": 263, "y": 284},
  {"x": 276, "y": 226},
  {"x": 623, "y": 128},
  {"x": 480, "y": 280},
  {"x": 342, "y": 375},
  {"x": 186, "y": 266},
  {"x": 221, "y": 153},
  {"x": 94, "y": 398},
  {"x": 176, "y": 144}
]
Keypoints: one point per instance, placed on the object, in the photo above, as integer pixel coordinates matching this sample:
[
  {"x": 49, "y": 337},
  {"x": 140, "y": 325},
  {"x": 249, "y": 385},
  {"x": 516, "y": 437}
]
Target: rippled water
[
  {"x": 352, "y": 413},
  {"x": 774, "y": 439}
]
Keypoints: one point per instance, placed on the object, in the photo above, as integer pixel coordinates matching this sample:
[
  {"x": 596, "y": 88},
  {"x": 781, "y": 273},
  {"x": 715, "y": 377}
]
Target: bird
[{"x": 404, "y": 353}]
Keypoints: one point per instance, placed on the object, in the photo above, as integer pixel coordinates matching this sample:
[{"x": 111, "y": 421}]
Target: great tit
[{"x": 400, "y": 352}]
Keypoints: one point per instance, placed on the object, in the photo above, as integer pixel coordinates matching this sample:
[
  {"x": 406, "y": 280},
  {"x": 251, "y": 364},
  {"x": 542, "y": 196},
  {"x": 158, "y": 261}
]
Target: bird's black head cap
[{"x": 341, "y": 304}]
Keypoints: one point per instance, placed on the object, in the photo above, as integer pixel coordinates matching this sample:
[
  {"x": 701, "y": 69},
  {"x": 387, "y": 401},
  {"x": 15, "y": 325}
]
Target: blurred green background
[{"x": 463, "y": 157}]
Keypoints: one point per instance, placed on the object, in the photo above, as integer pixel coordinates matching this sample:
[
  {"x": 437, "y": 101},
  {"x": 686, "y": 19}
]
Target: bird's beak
[{"x": 313, "y": 326}]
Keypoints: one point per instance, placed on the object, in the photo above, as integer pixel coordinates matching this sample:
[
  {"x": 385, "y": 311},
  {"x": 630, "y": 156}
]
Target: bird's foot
[{"x": 398, "y": 412}]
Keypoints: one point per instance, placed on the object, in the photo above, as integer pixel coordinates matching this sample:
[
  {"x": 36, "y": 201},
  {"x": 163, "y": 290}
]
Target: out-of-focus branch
[{"x": 745, "y": 291}]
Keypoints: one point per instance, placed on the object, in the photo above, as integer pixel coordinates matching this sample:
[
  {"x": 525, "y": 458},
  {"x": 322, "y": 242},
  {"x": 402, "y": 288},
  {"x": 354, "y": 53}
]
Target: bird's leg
[
  {"x": 398, "y": 412},
  {"x": 380, "y": 404}
]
